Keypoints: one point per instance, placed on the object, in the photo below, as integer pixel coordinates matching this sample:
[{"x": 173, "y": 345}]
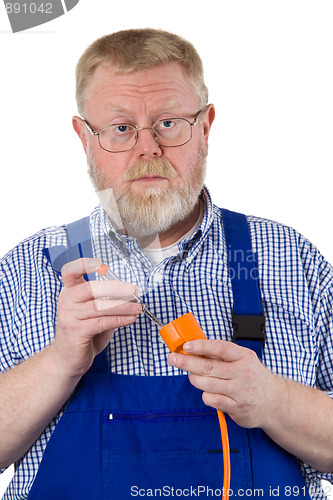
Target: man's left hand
[{"x": 232, "y": 378}]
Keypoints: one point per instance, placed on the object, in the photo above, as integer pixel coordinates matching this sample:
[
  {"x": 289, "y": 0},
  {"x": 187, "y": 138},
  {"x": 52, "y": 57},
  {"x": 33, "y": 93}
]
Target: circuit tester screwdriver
[{"x": 107, "y": 274}]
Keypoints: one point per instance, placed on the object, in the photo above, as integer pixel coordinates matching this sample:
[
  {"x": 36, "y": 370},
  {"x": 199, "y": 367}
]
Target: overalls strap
[
  {"x": 78, "y": 246},
  {"x": 248, "y": 315}
]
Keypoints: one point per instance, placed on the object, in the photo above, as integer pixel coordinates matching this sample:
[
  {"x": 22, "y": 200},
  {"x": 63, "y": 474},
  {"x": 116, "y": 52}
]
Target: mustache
[{"x": 143, "y": 168}]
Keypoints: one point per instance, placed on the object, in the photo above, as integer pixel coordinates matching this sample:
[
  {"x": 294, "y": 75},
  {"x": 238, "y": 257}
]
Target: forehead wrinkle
[
  {"x": 164, "y": 107},
  {"x": 134, "y": 91},
  {"x": 124, "y": 86},
  {"x": 127, "y": 95}
]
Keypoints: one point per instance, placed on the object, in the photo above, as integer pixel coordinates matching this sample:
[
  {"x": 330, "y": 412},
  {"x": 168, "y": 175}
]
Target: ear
[
  {"x": 208, "y": 118},
  {"x": 80, "y": 129}
]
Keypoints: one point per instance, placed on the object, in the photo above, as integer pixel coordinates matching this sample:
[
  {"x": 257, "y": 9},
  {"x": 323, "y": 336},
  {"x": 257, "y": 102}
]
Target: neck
[{"x": 173, "y": 234}]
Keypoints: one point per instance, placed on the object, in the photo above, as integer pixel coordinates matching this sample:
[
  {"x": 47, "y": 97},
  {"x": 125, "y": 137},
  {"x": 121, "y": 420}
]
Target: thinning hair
[{"x": 137, "y": 49}]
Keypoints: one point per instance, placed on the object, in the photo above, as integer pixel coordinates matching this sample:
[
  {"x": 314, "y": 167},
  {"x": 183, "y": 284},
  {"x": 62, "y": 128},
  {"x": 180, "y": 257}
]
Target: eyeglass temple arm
[
  {"x": 195, "y": 121},
  {"x": 91, "y": 130}
]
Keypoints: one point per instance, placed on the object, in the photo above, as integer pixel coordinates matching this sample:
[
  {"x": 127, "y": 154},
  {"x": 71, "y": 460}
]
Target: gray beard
[{"x": 157, "y": 209}]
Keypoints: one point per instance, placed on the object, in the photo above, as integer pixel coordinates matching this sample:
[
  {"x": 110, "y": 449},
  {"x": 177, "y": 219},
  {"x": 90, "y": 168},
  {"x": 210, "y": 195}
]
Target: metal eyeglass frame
[{"x": 138, "y": 129}]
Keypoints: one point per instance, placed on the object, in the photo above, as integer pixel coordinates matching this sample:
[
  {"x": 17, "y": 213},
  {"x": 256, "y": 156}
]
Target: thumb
[{"x": 72, "y": 272}]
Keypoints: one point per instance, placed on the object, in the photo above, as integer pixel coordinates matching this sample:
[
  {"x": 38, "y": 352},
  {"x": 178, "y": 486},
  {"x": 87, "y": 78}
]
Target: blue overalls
[{"x": 125, "y": 436}]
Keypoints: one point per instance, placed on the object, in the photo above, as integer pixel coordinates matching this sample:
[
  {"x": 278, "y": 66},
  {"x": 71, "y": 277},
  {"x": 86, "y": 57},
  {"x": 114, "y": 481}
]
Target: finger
[
  {"x": 73, "y": 272},
  {"x": 216, "y": 392},
  {"x": 115, "y": 307},
  {"x": 90, "y": 290},
  {"x": 212, "y": 385},
  {"x": 218, "y": 349},
  {"x": 220, "y": 402},
  {"x": 106, "y": 307},
  {"x": 102, "y": 340},
  {"x": 98, "y": 325},
  {"x": 198, "y": 365},
  {"x": 114, "y": 289}
]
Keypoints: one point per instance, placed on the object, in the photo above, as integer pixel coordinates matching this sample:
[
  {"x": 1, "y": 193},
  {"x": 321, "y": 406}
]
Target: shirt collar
[
  {"x": 127, "y": 244},
  {"x": 205, "y": 224}
]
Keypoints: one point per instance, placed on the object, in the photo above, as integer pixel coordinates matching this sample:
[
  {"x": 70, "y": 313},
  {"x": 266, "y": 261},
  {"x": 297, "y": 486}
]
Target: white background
[{"x": 268, "y": 65}]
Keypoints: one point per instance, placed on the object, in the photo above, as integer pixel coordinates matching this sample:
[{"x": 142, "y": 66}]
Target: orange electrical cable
[
  {"x": 175, "y": 334},
  {"x": 226, "y": 454}
]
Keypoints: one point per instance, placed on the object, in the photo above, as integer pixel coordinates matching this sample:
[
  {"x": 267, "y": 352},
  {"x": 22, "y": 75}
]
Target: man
[{"x": 144, "y": 125}]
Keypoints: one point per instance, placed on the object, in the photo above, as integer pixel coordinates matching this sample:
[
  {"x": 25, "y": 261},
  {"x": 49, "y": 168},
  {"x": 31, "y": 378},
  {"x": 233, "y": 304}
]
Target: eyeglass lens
[{"x": 122, "y": 137}]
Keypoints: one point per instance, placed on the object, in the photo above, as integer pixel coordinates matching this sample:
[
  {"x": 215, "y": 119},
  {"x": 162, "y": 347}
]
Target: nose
[{"x": 146, "y": 145}]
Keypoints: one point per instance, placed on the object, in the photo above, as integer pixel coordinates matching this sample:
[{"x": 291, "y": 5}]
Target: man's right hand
[
  {"x": 88, "y": 314},
  {"x": 33, "y": 392}
]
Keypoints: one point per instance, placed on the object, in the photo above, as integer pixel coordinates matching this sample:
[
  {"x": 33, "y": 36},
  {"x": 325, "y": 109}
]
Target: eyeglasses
[{"x": 121, "y": 137}]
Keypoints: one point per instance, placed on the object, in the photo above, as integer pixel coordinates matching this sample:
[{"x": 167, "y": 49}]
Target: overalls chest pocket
[{"x": 168, "y": 452}]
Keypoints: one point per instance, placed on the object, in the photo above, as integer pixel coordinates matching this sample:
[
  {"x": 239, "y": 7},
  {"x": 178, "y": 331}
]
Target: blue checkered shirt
[{"x": 296, "y": 285}]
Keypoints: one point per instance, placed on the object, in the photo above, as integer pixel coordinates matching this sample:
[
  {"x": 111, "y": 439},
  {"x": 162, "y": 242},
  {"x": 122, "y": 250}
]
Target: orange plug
[{"x": 181, "y": 330}]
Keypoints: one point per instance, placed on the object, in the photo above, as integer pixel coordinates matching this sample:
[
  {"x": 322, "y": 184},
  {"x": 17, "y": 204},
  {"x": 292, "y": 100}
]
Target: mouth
[{"x": 150, "y": 178}]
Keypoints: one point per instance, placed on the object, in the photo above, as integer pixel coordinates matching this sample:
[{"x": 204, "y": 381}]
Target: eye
[
  {"x": 122, "y": 128},
  {"x": 166, "y": 124}
]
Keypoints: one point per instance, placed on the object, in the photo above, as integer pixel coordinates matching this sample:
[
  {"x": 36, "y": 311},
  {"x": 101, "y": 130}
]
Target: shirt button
[{"x": 158, "y": 277}]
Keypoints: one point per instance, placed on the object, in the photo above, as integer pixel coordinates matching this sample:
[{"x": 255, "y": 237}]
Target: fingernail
[
  {"x": 172, "y": 359},
  {"x": 188, "y": 346},
  {"x": 92, "y": 265}
]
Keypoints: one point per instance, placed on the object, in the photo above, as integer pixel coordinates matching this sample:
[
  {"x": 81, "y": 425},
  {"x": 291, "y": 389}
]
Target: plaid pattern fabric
[{"x": 296, "y": 285}]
